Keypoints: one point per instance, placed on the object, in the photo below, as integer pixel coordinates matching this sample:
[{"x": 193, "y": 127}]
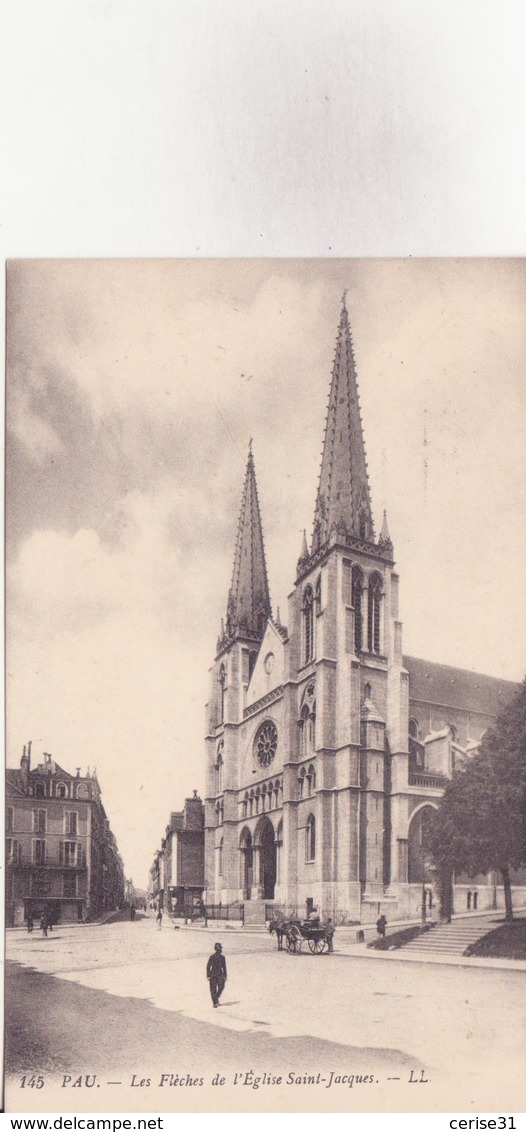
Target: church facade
[{"x": 327, "y": 747}]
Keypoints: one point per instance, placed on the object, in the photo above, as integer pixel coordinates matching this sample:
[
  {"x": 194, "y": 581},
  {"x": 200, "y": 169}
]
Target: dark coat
[{"x": 216, "y": 966}]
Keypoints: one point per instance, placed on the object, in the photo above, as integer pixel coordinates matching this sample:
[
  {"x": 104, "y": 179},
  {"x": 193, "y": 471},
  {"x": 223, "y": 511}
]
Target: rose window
[{"x": 266, "y": 743}]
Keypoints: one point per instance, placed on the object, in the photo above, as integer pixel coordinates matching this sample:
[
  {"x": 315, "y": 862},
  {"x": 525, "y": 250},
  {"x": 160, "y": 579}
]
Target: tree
[{"x": 481, "y": 821}]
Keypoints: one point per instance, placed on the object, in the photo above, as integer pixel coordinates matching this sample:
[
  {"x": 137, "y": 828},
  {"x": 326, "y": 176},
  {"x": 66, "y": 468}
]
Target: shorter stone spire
[{"x": 249, "y": 605}]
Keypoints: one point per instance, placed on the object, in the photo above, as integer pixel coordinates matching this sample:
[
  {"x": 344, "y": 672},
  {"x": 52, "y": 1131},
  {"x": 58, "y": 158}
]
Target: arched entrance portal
[
  {"x": 421, "y": 876},
  {"x": 266, "y": 843},
  {"x": 419, "y": 859}
]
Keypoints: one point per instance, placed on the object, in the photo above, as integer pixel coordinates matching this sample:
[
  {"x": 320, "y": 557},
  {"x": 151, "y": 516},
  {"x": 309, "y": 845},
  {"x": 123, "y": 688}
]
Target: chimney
[
  {"x": 193, "y": 812},
  {"x": 24, "y": 768}
]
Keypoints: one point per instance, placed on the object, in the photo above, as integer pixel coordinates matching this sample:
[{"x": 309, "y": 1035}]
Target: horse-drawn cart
[{"x": 295, "y": 932}]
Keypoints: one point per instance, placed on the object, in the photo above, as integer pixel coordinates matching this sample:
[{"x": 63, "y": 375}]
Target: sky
[{"x": 133, "y": 389}]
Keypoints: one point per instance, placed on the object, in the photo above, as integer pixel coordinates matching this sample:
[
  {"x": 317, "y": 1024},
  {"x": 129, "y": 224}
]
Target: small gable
[{"x": 269, "y": 667}]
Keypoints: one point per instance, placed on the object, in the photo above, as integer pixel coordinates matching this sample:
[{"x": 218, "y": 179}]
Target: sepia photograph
[{"x": 265, "y": 685}]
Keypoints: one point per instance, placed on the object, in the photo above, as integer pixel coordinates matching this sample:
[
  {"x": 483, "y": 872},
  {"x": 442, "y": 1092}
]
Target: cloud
[{"x": 32, "y": 430}]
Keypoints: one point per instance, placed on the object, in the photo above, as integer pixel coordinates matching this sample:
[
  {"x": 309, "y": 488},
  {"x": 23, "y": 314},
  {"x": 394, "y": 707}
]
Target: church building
[{"x": 327, "y": 748}]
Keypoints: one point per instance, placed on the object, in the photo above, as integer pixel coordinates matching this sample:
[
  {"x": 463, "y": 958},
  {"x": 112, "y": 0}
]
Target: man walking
[
  {"x": 381, "y": 925},
  {"x": 216, "y": 973}
]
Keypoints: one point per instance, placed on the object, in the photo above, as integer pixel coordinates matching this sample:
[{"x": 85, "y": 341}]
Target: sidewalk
[{"x": 345, "y": 945}]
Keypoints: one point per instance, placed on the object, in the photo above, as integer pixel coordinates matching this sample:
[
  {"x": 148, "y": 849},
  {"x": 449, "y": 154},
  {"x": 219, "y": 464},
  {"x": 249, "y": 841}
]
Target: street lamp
[{"x": 423, "y": 891}]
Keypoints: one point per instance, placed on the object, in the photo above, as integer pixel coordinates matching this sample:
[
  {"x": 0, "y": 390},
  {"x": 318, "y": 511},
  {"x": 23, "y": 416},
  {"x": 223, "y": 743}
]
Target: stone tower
[
  {"x": 247, "y": 613},
  {"x": 345, "y": 657}
]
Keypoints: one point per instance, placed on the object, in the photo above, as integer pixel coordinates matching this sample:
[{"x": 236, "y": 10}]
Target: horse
[{"x": 280, "y": 928}]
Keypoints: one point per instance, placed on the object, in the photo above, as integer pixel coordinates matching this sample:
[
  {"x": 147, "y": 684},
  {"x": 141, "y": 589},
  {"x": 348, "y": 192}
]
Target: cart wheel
[
  {"x": 316, "y": 946},
  {"x": 293, "y": 940}
]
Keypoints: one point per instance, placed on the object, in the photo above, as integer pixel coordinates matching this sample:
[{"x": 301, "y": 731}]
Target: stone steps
[{"x": 451, "y": 939}]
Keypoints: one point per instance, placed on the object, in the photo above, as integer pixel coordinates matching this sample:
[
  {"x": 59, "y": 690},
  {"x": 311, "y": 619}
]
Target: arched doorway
[
  {"x": 419, "y": 864},
  {"x": 266, "y": 844}
]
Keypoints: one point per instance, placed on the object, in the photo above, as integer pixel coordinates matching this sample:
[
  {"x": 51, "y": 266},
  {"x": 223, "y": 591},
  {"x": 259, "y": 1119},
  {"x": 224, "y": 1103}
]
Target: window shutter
[
  {"x": 79, "y": 853},
  {"x": 61, "y": 852}
]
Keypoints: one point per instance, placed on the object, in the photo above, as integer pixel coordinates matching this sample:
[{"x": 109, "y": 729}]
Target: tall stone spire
[
  {"x": 343, "y": 503},
  {"x": 249, "y": 599}
]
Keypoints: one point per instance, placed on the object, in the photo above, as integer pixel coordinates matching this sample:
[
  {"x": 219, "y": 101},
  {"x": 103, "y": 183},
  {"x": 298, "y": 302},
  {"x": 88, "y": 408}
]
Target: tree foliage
[{"x": 481, "y": 822}]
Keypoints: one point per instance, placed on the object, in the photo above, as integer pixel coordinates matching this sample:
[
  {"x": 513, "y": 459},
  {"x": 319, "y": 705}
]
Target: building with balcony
[{"x": 61, "y": 854}]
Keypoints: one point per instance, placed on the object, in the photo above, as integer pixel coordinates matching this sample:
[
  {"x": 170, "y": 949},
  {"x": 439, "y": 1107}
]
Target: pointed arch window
[
  {"x": 317, "y": 596},
  {"x": 304, "y": 724},
  {"x": 222, "y": 690},
  {"x": 311, "y": 739},
  {"x": 413, "y": 728},
  {"x": 219, "y": 768},
  {"x": 357, "y": 599},
  {"x": 220, "y": 858},
  {"x": 311, "y": 779},
  {"x": 310, "y": 838},
  {"x": 374, "y": 607},
  {"x": 308, "y": 624}
]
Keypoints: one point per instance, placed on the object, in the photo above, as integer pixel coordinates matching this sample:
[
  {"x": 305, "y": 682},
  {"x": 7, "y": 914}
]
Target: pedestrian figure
[
  {"x": 329, "y": 935},
  {"x": 159, "y": 918},
  {"x": 44, "y": 923},
  {"x": 216, "y": 973},
  {"x": 132, "y": 913},
  {"x": 30, "y": 923},
  {"x": 381, "y": 925}
]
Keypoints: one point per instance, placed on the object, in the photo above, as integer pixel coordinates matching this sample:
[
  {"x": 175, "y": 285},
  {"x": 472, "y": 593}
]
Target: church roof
[
  {"x": 249, "y": 598},
  {"x": 343, "y": 502},
  {"x": 457, "y": 687}
]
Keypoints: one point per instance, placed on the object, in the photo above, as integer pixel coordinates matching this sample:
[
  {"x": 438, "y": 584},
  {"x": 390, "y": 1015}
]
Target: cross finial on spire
[
  {"x": 250, "y": 447},
  {"x": 344, "y": 296}
]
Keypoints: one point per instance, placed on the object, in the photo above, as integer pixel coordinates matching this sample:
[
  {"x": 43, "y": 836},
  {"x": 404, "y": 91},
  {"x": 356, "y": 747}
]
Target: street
[{"x": 127, "y": 1003}]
